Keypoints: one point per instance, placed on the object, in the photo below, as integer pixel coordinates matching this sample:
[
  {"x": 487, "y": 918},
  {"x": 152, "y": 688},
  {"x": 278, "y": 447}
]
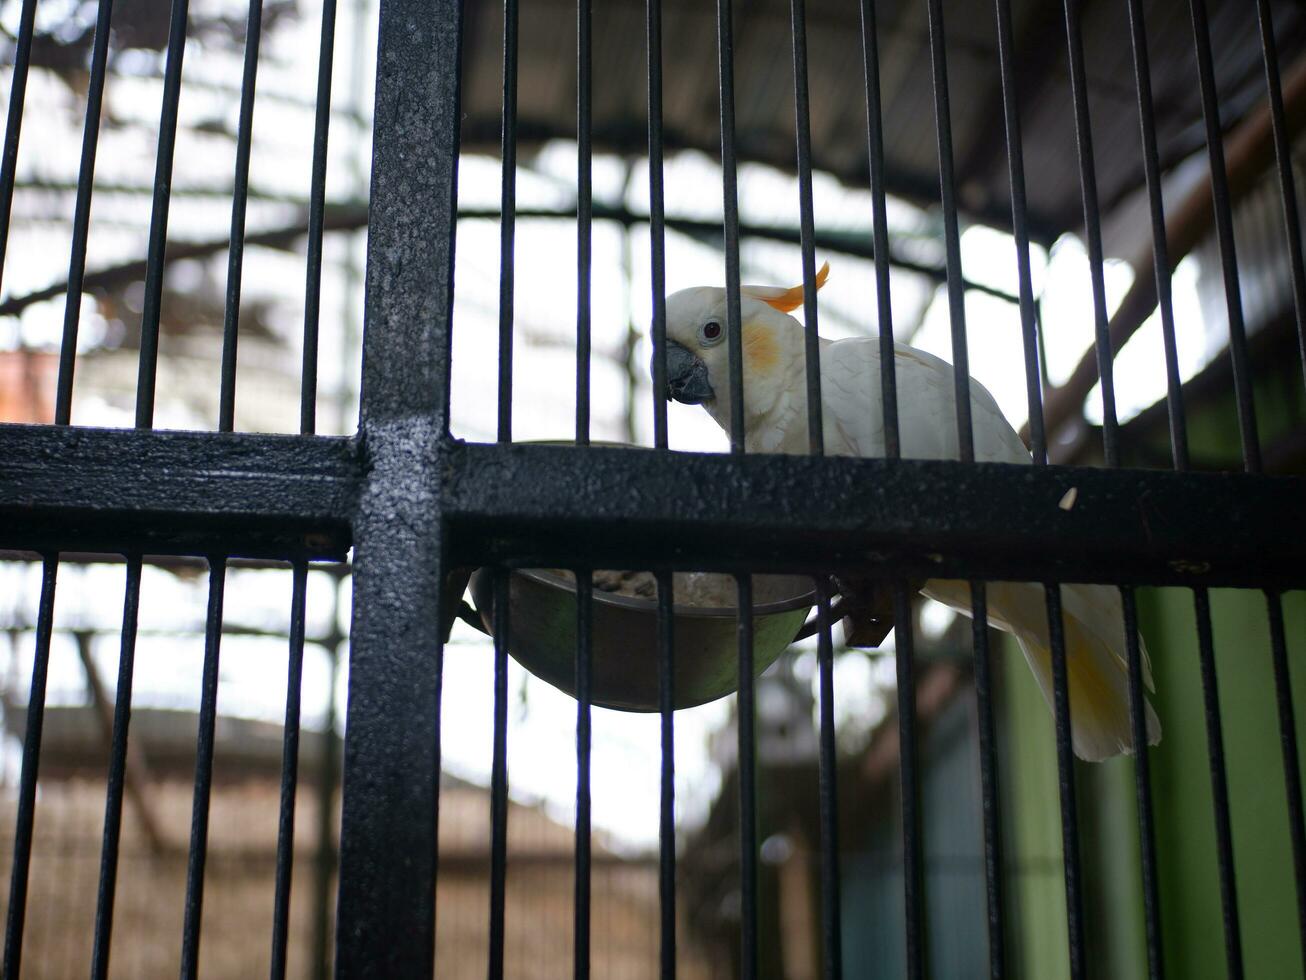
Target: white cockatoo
[{"x": 775, "y": 418}]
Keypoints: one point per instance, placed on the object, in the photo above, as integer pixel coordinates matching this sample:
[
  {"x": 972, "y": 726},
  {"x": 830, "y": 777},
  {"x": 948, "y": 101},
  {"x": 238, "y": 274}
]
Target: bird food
[{"x": 702, "y": 590}]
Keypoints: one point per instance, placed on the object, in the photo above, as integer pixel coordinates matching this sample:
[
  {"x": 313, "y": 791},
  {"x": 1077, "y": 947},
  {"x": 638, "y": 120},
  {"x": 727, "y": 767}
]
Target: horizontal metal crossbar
[
  {"x": 904, "y": 517},
  {"x": 259, "y": 496},
  {"x": 295, "y": 496}
]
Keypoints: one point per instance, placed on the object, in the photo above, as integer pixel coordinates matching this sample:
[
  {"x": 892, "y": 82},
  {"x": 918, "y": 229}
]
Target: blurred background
[{"x": 541, "y": 743}]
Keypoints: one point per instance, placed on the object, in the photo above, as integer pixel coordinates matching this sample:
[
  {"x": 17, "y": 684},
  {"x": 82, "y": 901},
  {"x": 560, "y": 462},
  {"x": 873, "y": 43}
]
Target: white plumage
[{"x": 775, "y": 409}]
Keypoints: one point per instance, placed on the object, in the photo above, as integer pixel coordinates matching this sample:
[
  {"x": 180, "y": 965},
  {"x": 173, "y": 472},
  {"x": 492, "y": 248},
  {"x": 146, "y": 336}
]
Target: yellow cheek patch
[{"x": 761, "y": 353}]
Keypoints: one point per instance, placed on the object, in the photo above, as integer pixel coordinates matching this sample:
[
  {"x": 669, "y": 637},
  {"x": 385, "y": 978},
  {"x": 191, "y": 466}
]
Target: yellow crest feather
[{"x": 785, "y": 300}]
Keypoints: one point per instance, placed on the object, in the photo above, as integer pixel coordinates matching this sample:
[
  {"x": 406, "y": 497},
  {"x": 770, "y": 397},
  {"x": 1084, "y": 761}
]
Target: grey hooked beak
[{"x": 686, "y": 376}]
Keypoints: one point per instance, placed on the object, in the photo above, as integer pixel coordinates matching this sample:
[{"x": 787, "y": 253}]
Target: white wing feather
[
  {"x": 927, "y": 421},
  {"x": 927, "y": 416}
]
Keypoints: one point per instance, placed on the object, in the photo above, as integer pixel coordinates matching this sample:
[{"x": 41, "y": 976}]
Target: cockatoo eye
[{"x": 710, "y": 333}]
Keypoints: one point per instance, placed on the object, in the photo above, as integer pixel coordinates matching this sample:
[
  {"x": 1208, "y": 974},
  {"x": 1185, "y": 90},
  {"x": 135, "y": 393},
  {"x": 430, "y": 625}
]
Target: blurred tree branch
[
  {"x": 337, "y": 218},
  {"x": 353, "y": 217},
  {"x": 138, "y": 25}
]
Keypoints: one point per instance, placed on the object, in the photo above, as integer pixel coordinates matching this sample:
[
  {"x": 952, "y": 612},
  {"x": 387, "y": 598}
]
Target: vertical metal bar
[
  {"x": 951, "y": 234},
  {"x": 1111, "y": 452},
  {"x": 240, "y": 198},
  {"x": 584, "y": 662},
  {"x": 108, "y": 883},
  {"x": 499, "y": 775},
  {"x": 357, "y": 158},
  {"x": 1066, "y": 783},
  {"x": 584, "y": 220},
  {"x": 1283, "y": 155},
  {"x": 26, "y": 817},
  {"x": 63, "y": 399},
  {"x": 1160, "y": 245},
  {"x": 1242, "y": 378},
  {"x": 324, "y": 864},
  {"x": 988, "y": 779},
  {"x": 730, "y": 200},
  {"x": 880, "y": 232},
  {"x": 831, "y": 910},
  {"x": 657, "y": 224},
  {"x": 507, "y": 217},
  {"x": 806, "y": 220},
  {"x": 1219, "y": 784},
  {"x": 912, "y": 846},
  {"x": 1045, "y": 381},
  {"x": 1179, "y": 450},
  {"x": 1143, "y": 786},
  {"x": 667, "y": 817},
  {"x": 106, "y": 890},
  {"x": 199, "y": 815},
  {"x": 316, "y": 219},
  {"x": 1092, "y": 228},
  {"x": 1179, "y": 453},
  {"x": 1291, "y": 762},
  {"x": 14, "y": 124},
  {"x": 913, "y": 871},
  {"x": 1020, "y": 231},
  {"x": 289, "y": 772},
  {"x": 666, "y": 595},
  {"x": 390, "y": 814},
  {"x": 747, "y": 784},
  {"x": 158, "y": 240}
]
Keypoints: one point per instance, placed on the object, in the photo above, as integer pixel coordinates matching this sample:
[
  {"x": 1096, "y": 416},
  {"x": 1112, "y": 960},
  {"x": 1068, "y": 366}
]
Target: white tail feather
[{"x": 1095, "y": 656}]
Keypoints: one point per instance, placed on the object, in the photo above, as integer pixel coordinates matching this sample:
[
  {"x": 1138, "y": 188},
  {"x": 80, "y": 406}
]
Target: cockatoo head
[{"x": 698, "y": 359}]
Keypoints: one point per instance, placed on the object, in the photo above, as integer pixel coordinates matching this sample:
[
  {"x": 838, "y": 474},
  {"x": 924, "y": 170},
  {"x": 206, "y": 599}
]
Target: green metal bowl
[{"x": 624, "y": 638}]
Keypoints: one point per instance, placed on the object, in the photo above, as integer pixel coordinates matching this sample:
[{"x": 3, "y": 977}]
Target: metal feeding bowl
[{"x": 624, "y": 637}]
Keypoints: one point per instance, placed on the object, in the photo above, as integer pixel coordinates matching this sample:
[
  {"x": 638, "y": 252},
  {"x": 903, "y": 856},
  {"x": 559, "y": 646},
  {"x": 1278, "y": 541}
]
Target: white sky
[{"x": 541, "y": 741}]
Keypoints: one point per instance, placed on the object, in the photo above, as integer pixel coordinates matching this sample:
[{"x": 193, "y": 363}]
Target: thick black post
[{"x": 386, "y": 914}]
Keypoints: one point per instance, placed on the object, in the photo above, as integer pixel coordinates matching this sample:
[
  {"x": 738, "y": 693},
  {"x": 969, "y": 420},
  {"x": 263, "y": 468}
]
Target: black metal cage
[{"x": 416, "y": 505}]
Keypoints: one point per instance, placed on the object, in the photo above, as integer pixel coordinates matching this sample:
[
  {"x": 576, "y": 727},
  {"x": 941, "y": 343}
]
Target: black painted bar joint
[{"x": 392, "y": 758}]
